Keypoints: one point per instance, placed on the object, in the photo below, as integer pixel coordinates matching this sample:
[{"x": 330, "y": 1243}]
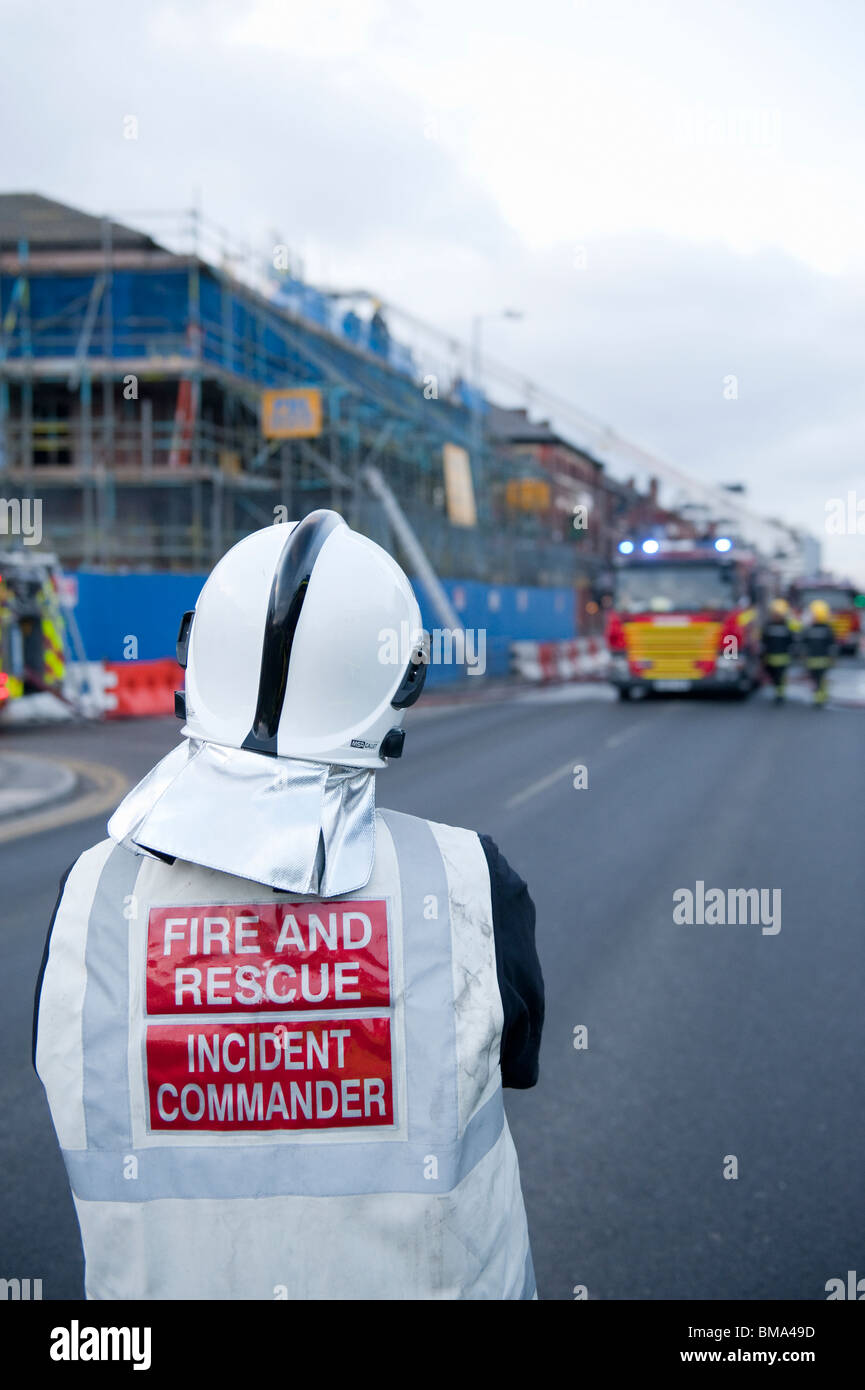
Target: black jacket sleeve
[{"x": 521, "y": 983}]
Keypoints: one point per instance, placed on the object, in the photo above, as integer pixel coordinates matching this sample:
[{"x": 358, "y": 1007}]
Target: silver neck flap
[{"x": 300, "y": 827}]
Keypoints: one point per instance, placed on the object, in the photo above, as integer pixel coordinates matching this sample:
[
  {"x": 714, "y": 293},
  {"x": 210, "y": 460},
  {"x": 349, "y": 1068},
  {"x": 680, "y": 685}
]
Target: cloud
[
  {"x": 263, "y": 137},
  {"x": 363, "y": 155},
  {"x": 647, "y": 337}
]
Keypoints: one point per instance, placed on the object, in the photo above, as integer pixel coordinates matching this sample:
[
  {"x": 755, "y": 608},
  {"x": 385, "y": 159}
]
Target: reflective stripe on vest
[{"x": 107, "y": 1118}]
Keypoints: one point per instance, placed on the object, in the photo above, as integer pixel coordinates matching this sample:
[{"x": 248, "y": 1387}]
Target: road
[{"x": 703, "y": 1041}]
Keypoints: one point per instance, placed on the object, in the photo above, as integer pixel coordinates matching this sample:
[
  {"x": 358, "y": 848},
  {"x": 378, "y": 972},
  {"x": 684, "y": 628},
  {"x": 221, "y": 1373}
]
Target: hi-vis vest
[{"x": 261, "y": 1095}]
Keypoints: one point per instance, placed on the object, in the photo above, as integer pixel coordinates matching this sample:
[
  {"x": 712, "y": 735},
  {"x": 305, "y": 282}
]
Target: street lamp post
[{"x": 477, "y": 432}]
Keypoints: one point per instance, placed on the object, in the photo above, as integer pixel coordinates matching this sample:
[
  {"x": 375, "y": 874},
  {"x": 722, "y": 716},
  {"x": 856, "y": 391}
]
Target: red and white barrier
[
  {"x": 580, "y": 659},
  {"x": 143, "y": 688},
  {"x": 123, "y": 689}
]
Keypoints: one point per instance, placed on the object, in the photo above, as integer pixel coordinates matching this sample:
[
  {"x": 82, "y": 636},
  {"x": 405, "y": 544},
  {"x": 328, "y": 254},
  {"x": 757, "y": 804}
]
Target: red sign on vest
[
  {"x": 294, "y": 959},
  {"x": 242, "y": 1076},
  {"x": 267, "y": 958}
]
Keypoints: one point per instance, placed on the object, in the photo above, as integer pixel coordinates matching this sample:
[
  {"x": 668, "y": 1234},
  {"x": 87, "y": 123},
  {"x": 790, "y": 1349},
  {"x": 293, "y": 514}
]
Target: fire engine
[
  {"x": 685, "y": 615},
  {"x": 32, "y": 629},
  {"x": 845, "y": 603}
]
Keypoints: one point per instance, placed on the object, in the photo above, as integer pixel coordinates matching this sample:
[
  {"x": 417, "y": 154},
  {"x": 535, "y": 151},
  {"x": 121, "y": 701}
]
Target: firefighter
[
  {"x": 818, "y": 648},
  {"x": 274, "y": 1022},
  {"x": 777, "y": 646}
]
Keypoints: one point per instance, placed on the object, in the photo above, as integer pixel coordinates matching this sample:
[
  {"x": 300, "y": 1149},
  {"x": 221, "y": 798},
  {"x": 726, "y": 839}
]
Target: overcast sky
[{"x": 672, "y": 193}]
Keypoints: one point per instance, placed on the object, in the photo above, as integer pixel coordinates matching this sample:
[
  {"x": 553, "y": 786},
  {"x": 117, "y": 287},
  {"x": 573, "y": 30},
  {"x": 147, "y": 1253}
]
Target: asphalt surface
[{"x": 703, "y": 1041}]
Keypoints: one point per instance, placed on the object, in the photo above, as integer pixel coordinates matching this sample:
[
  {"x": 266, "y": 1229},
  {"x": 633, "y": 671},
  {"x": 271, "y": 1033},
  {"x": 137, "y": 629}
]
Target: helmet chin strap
[
  {"x": 182, "y": 651},
  {"x": 407, "y": 693},
  {"x": 412, "y": 683},
  {"x": 392, "y": 743}
]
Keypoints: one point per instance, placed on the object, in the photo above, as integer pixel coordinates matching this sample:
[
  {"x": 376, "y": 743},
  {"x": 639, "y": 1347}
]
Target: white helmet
[{"x": 290, "y": 650}]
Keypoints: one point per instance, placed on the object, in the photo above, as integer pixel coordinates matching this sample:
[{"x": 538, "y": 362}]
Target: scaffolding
[{"x": 131, "y": 378}]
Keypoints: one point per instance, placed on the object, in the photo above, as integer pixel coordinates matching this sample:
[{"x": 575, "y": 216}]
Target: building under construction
[{"x": 161, "y": 407}]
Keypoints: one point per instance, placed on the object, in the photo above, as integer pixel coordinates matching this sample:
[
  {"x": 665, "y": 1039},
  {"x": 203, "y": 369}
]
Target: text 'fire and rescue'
[{"x": 304, "y": 956}]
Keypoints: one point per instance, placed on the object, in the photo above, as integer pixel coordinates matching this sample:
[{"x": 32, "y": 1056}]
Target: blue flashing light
[
  {"x": 723, "y": 543},
  {"x": 650, "y": 547},
  {"x": 626, "y": 547}
]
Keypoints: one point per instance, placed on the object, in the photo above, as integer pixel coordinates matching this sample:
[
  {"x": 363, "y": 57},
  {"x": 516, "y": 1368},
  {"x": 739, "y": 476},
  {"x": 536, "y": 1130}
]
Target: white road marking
[
  {"x": 616, "y": 739},
  {"x": 108, "y": 789},
  {"x": 540, "y": 786}
]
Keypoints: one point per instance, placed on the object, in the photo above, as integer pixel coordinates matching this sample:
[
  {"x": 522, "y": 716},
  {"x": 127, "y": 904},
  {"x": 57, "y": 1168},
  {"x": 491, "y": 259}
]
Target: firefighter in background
[
  {"x": 818, "y": 647},
  {"x": 343, "y": 1136},
  {"x": 777, "y": 646}
]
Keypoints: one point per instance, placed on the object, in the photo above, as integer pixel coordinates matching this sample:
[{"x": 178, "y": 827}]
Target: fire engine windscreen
[{"x": 674, "y": 588}]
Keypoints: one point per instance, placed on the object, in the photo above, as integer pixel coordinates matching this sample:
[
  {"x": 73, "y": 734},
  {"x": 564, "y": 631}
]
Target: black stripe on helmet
[
  {"x": 412, "y": 683},
  {"x": 287, "y": 593}
]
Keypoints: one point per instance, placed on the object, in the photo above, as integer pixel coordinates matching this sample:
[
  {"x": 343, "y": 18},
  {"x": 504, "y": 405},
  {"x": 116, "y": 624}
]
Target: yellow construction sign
[
  {"x": 291, "y": 414},
  {"x": 459, "y": 488},
  {"x": 528, "y": 494}
]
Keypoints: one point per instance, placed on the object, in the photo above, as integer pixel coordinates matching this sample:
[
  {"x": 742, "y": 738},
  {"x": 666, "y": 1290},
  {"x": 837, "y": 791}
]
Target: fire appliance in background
[
  {"x": 845, "y": 606},
  {"x": 686, "y": 615},
  {"x": 32, "y": 625}
]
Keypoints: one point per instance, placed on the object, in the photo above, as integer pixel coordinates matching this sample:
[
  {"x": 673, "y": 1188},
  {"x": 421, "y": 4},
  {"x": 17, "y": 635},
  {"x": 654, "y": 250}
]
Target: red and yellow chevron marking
[{"x": 673, "y": 651}]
